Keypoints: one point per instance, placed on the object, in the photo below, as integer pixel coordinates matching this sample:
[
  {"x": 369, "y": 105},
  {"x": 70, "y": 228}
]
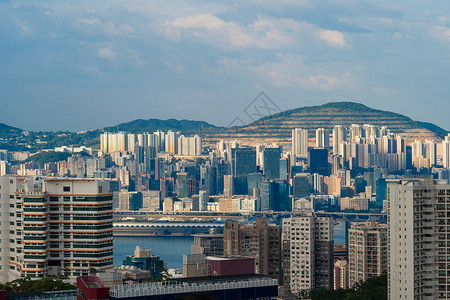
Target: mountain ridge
[
  {"x": 274, "y": 128},
  {"x": 277, "y": 127},
  {"x": 142, "y": 125}
]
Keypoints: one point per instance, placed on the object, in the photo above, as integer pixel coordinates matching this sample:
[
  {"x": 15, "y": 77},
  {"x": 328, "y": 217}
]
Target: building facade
[
  {"x": 367, "y": 251},
  {"x": 308, "y": 252},
  {"x": 55, "y": 227},
  {"x": 258, "y": 240},
  {"x": 418, "y": 222}
]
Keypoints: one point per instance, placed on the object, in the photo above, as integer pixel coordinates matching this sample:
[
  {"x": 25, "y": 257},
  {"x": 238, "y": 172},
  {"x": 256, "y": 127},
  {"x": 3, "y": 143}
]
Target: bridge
[{"x": 130, "y": 225}]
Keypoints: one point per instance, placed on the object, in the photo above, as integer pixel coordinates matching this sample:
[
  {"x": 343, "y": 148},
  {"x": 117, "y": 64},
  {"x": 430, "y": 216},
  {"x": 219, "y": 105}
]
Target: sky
[{"x": 79, "y": 65}]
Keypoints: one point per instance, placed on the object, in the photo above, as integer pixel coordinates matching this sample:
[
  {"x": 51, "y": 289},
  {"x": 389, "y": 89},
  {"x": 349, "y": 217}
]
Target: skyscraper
[
  {"x": 271, "y": 159},
  {"x": 301, "y": 185},
  {"x": 318, "y": 161},
  {"x": 243, "y": 163},
  {"x": 322, "y": 138},
  {"x": 418, "y": 244},
  {"x": 300, "y": 142},
  {"x": 339, "y": 136}
]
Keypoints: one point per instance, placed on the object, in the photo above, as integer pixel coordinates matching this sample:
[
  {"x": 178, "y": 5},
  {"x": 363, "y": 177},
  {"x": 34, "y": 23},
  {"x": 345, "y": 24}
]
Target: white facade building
[
  {"x": 308, "y": 252},
  {"x": 52, "y": 226},
  {"x": 418, "y": 222}
]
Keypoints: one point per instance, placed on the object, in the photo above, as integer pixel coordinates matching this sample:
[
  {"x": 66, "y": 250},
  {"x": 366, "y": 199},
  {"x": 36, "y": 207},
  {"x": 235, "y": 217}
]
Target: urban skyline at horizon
[{"x": 111, "y": 63}]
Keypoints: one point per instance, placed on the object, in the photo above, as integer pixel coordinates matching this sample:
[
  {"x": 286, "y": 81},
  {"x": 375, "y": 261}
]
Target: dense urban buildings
[{"x": 57, "y": 216}]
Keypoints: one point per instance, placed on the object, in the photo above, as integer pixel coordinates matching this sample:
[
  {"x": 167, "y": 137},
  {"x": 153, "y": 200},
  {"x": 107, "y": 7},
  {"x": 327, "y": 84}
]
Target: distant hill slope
[
  {"x": 150, "y": 125},
  {"x": 277, "y": 127},
  {"x": 6, "y": 128}
]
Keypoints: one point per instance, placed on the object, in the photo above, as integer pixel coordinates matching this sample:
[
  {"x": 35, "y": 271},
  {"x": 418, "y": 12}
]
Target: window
[{"x": 66, "y": 188}]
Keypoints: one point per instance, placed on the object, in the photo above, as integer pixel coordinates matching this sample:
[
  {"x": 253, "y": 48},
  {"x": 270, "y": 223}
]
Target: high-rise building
[
  {"x": 258, "y": 240},
  {"x": 228, "y": 186},
  {"x": 318, "y": 161},
  {"x": 267, "y": 195},
  {"x": 243, "y": 163},
  {"x": 367, "y": 251},
  {"x": 189, "y": 145},
  {"x": 446, "y": 153},
  {"x": 271, "y": 162},
  {"x": 182, "y": 184},
  {"x": 308, "y": 252},
  {"x": 301, "y": 185},
  {"x": 50, "y": 222},
  {"x": 339, "y": 136},
  {"x": 300, "y": 142},
  {"x": 418, "y": 243},
  {"x": 340, "y": 274},
  {"x": 171, "y": 141},
  {"x": 203, "y": 198},
  {"x": 322, "y": 138}
]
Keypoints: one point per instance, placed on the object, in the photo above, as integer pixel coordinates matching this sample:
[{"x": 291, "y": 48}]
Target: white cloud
[
  {"x": 263, "y": 33},
  {"x": 324, "y": 82},
  {"x": 332, "y": 37},
  {"x": 290, "y": 71},
  {"x": 92, "y": 70},
  {"x": 441, "y": 33},
  {"x": 107, "y": 53},
  {"x": 209, "y": 28},
  {"x": 108, "y": 26}
]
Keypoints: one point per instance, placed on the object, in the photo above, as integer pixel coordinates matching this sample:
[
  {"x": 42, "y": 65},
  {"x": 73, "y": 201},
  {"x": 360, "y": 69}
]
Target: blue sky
[{"x": 76, "y": 65}]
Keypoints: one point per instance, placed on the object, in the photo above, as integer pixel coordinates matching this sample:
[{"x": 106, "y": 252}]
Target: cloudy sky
[{"x": 75, "y": 65}]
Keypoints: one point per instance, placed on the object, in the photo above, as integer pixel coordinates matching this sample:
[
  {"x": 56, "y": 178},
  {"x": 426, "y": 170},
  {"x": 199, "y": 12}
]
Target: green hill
[
  {"x": 277, "y": 127},
  {"x": 151, "y": 125}
]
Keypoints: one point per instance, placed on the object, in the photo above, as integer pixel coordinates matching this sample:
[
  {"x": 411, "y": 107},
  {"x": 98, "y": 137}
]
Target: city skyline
[{"x": 111, "y": 63}]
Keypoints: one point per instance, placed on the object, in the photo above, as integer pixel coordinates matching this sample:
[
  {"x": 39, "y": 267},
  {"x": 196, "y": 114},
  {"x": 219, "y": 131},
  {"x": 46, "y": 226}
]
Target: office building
[
  {"x": 271, "y": 162},
  {"x": 243, "y": 163},
  {"x": 318, "y": 161},
  {"x": 301, "y": 185},
  {"x": 308, "y": 252},
  {"x": 367, "y": 251}
]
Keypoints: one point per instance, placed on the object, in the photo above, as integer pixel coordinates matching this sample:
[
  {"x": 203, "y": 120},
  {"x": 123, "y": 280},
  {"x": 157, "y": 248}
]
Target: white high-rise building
[
  {"x": 446, "y": 153},
  {"x": 308, "y": 252},
  {"x": 419, "y": 246},
  {"x": 300, "y": 142},
  {"x": 430, "y": 152},
  {"x": 171, "y": 141},
  {"x": 322, "y": 138},
  {"x": 339, "y": 136},
  {"x": 54, "y": 226}
]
